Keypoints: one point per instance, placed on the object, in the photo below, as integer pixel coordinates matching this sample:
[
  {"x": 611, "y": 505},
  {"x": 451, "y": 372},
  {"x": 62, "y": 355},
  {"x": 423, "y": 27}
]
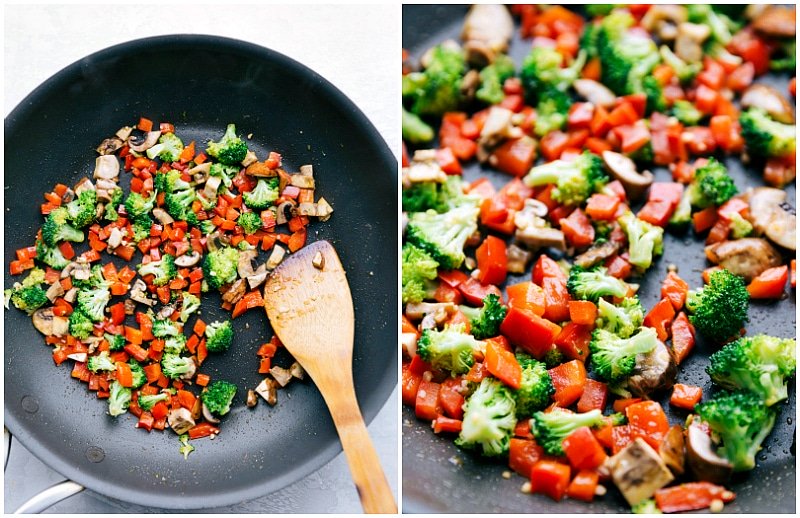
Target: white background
[{"x": 357, "y": 48}]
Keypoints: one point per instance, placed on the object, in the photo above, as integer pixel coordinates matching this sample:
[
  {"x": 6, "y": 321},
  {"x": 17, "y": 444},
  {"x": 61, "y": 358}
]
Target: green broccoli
[
  {"x": 646, "y": 507},
  {"x": 760, "y": 364},
  {"x": 486, "y": 323},
  {"x": 787, "y": 60},
  {"x": 416, "y": 130},
  {"x": 93, "y": 302},
  {"x": 83, "y": 209},
  {"x": 101, "y": 362},
  {"x": 436, "y": 90},
  {"x": 137, "y": 372},
  {"x": 148, "y": 401},
  {"x": 553, "y": 357},
  {"x": 179, "y": 205},
  {"x": 595, "y": 10},
  {"x": 219, "y": 336},
  {"x": 443, "y": 236},
  {"x": 765, "y": 137},
  {"x": 613, "y": 358},
  {"x": 141, "y": 227},
  {"x": 418, "y": 271},
  {"x": 594, "y": 283},
  {"x": 739, "y": 226},
  {"x": 626, "y": 57},
  {"x": 168, "y": 149},
  {"x": 440, "y": 197},
  {"x": 492, "y": 79},
  {"x": 111, "y": 213},
  {"x": 115, "y": 342},
  {"x": 684, "y": 71},
  {"x": 226, "y": 172},
  {"x": 80, "y": 325},
  {"x": 552, "y": 112},
  {"x": 542, "y": 73},
  {"x": 550, "y": 428},
  {"x": 654, "y": 92},
  {"x": 119, "y": 399},
  {"x": 163, "y": 270},
  {"x": 575, "y": 181},
  {"x": 57, "y": 229},
  {"x": 230, "y": 150},
  {"x": 220, "y": 266},
  {"x": 682, "y": 217},
  {"x": 741, "y": 421},
  {"x": 185, "y": 448},
  {"x": 35, "y": 277},
  {"x": 264, "y": 194},
  {"x": 712, "y": 185},
  {"x": 489, "y": 419},
  {"x": 29, "y": 298},
  {"x": 536, "y": 389},
  {"x": 686, "y": 112},
  {"x": 171, "y": 181},
  {"x": 250, "y": 222},
  {"x": 449, "y": 350},
  {"x": 588, "y": 41},
  {"x": 719, "y": 310},
  {"x": 623, "y": 319},
  {"x": 174, "y": 366},
  {"x": 164, "y": 328},
  {"x": 218, "y": 396},
  {"x": 175, "y": 345},
  {"x": 644, "y": 240},
  {"x": 137, "y": 206},
  {"x": 189, "y": 304},
  {"x": 722, "y": 27}
]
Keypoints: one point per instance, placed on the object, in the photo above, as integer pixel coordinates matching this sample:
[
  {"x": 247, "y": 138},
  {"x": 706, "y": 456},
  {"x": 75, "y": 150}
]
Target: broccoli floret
[
  {"x": 115, "y": 342},
  {"x": 440, "y": 197},
  {"x": 765, "y": 137},
  {"x": 416, "y": 130},
  {"x": 148, "y": 401},
  {"x": 57, "y": 229},
  {"x": 449, "y": 350},
  {"x": 174, "y": 366},
  {"x": 553, "y": 357},
  {"x": 644, "y": 240},
  {"x": 110, "y": 213},
  {"x": 712, "y": 185},
  {"x": 656, "y": 102},
  {"x": 137, "y": 373},
  {"x": 684, "y": 71},
  {"x": 443, "y": 236},
  {"x": 219, "y": 336},
  {"x": 220, "y": 266},
  {"x": 141, "y": 227},
  {"x": 418, "y": 271},
  {"x": 489, "y": 419},
  {"x": 553, "y": 427},
  {"x": 218, "y": 397},
  {"x": 722, "y": 27},
  {"x": 788, "y": 60},
  {"x": 137, "y": 206},
  {"x": 163, "y": 270},
  {"x": 83, "y": 209},
  {"x": 190, "y": 303},
  {"x": 741, "y": 421},
  {"x": 646, "y": 507},
  {"x": 492, "y": 79},
  {"x": 682, "y": 216},
  {"x": 594, "y": 283},
  {"x": 486, "y": 323},
  {"x": 168, "y": 149},
  {"x": 175, "y": 345},
  {"x": 623, "y": 320},
  {"x": 588, "y": 41},
  {"x": 95, "y": 280},
  {"x": 542, "y": 73},
  {"x": 207, "y": 226},
  {"x": 686, "y": 112},
  {"x": 29, "y": 298},
  {"x": 101, "y": 362},
  {"x": 595, "y": 10},
  {"x": 575, "y": 181},
  {"x": 164, "y": 328},
  {"x": 739, "y": 226},
  {"x": 230, "y": 149},
  {"x": 719, "y": 310},
  {"x": 93, "y": 302},
  {"x": 226, "y": 172},
  {"x": 626, "y": 57},
  {"x": 536, "y": 389},
  {"x": 80, "y": 325},
  {"x": 35, "y": 277},
  {"x": 179, "y": 205},
  {"x": 185, "y": 448},
  {"x": 552, "y": 112},
  {"x": 759, "y": 364},
  {"x": 250, "y": 222},
  {"x": 119, "y": 399},
  {"x": 613, "y": 358},
  {"x": 264, "y": 194},
  {"x": 171, "y": 181},
  {"x": 436, "y": 90}
]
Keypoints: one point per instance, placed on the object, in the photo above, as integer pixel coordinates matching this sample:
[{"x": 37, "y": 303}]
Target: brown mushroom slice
[
  {"x": 487, "y": 30},
  {"x": 54, "y": 291},
  {"x": 234, "y": 292},
  {"x": 597, "y": 253},
  {"x": 771, "y": 215},
  {"x": 416, "y": 311},
  {"x": 208, "y": 416},
  {"x": 689, "y": 41},
  {"x": 770, "y": 100},
  {"x": 638, "y": 471},
  {"x": 110, "y": 146},
  {"x": 672, "y": 450},
  {"x": 518, "y": 259},
  {"x": 84, "y": 184},
  {"x": 187, "y": 260},
  {"x": 297, "y": 371},
  {"x": 245, "y": 265},
  {"x": 746, "y": 257},
  {"x": 282, "y": 376},
  {"x": 252, "y": 399},
  {"x": 106, "y": 167},
  {"x": 268, "y": 390},
  {"x": 43, "y": 320},
  {"x": 622, "y": 168},
  {"x": 653, "y": 371},
  {"x": 701, "y": 459},
  {"x": 150, "y": 140},
  {"x": 180, "y": 420},
  {"x": 536, "y": 237},
  {"x": 471, "y": 80},
  {"x": 595, "y": 92},
  {"x": 778, "y": 22}
]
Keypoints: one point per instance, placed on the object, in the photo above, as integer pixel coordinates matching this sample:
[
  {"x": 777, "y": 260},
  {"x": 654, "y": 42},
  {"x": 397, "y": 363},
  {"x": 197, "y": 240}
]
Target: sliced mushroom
[
  {"x": 777, "y": 22},
  {"x": 275, "y": 257},
  {"x": 497, "y": 128},
  {"x": 130, "y": 306},
  {"x": 139, "y": 293},
  {"x": 166, "y": 312},
  {"x": 180, "y": 420},
  {"x": 187, "y": 260},
  {"x": 211, "y": 187},
  {"x": 203, "y": 168},
  {"x": 268, "y": 390},
  {"x": 81, "y": 271},
  {"x": 281, "y": 375},
  {"x": 104, "y": 188},
  {"x": 487, "y": 30},
  {"x": 124, "y": 132},
  {"x": 84, "y": 184},
  {"x": 60, "y": 326},
  {"x": 208, "y": 416},
  {"x": 297, "y": 371},
  {"x": 54, "y": 291},
  {"x": 234, "y": 292},
  {"x": 249, "y": 158},
  {"x": 409, "y": 344},
  {"x": 703, "y": 462},
  {"x": 252, "y": 399},
  {"x": 258, "y": 278},
  {"x": 440, "y": 310},
  {"x": 78, "y": 357},
  {"x": 673, "y": 14},
  {"x": 597, "y": 253},
  {"x": 423, "y": 171},
  {"x": 110, "y": 146},
  {"x": 245, "y": 266},
  {"x": 68, "y": 196},
  {"x": 302, "y": 181},
  {"x": 106, "y": 167},
  {"x": 772, "y": 216},
  {"x": 689, "y": 41},
  {"x": 71, "y": 295},
  {"x": 287, "y": 207},
  {"x": 624, "y": 169},
  {"x": 638, "y": 471},
  {"x": 595, "y": 92},
  {"x": 654, "y": 371},
  {"x": 324, "y": 209},
  {"x": 162, "y": 216},
  {"x": 115, "y": 238},
  {"x": 535, "y": 237},
  {"x": 746, "y": 257},
  {"x": 150, "y": 140},
  {"x": 471, "y": 81},
  {"x": 672, "y": 450},
  {"x": 43, "y": 320},
  {"x": 190, "y": 373},
  {"x": 770, "y": 100},
  {"x": 518, "y": 259},
  {"x": 307, "y": 209}
]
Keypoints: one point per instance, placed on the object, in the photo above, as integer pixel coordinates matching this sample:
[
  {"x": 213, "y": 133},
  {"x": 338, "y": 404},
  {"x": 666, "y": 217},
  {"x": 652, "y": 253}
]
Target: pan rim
[{"x": 337, "y": 99}]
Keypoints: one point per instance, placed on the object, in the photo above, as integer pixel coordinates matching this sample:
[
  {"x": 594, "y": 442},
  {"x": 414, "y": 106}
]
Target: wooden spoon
[{"x": 309, "y": 306}]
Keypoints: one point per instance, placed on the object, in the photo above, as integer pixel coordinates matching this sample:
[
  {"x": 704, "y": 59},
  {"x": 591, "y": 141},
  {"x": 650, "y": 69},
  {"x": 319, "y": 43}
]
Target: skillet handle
[{"x": 49, "y": 496}]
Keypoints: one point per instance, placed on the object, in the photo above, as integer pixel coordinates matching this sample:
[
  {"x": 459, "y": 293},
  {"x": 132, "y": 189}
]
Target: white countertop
[{"x": 357, "y": 48}]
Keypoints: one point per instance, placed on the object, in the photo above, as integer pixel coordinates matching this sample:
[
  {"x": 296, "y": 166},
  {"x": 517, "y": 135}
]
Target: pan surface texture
[
  {"x": 439, "y": 477},
  {"x": 201, "y": 83}
]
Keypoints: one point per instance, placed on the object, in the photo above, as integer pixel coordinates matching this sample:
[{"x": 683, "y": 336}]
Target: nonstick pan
[
  {"x": 438, "y": 477},
  {"x": 201, "y": 83}
]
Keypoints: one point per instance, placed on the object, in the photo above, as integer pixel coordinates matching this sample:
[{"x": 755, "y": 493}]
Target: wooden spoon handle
[{"x": 365, "y": 467}]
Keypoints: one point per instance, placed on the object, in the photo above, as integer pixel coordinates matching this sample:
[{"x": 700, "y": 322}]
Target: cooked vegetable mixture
[
  {"x": 560, "y": 375},
  {"x": 199, "y": 220}
]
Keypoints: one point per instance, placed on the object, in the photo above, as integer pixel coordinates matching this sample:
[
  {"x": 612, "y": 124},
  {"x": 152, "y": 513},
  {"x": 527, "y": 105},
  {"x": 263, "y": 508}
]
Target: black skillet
[
  {"x": 438, "y": 477},
  {"x": 201, "y": 83}
]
